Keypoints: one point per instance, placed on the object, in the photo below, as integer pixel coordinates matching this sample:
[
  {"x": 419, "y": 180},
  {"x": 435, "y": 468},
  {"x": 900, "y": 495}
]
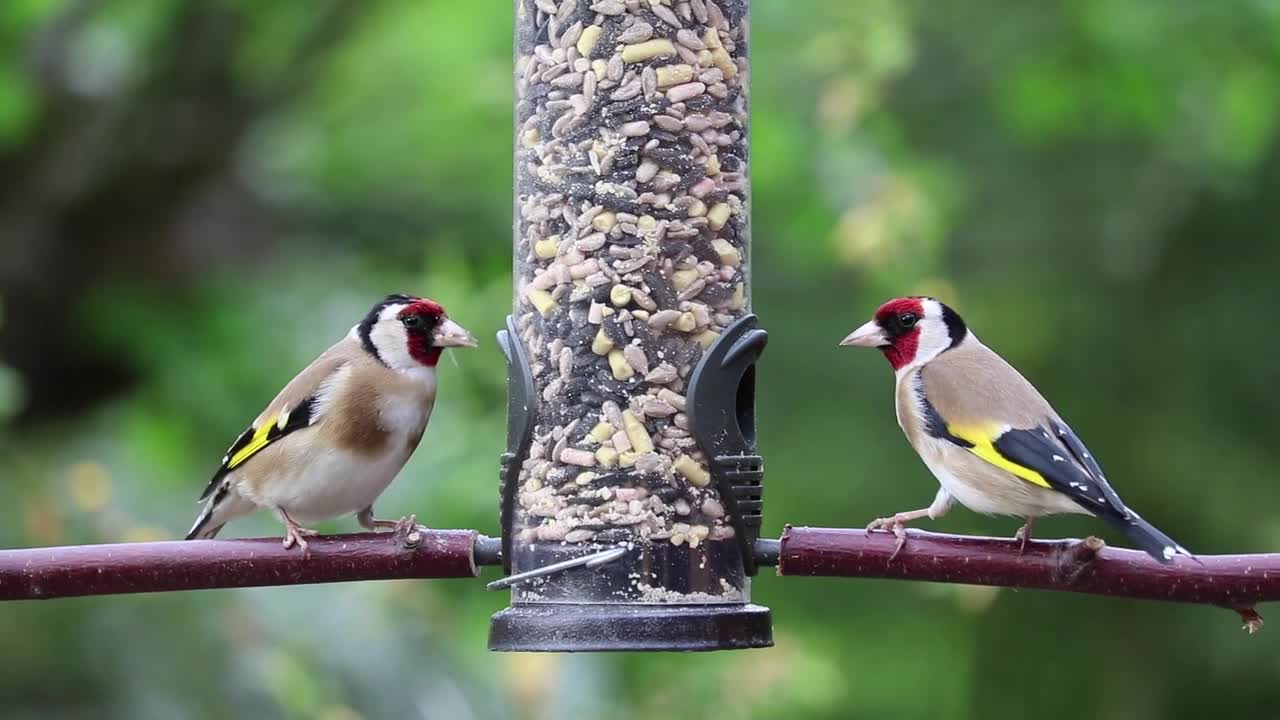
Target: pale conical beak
[
  {"x": 450, "y": 334},
  {"x": 869, "y": 335}
]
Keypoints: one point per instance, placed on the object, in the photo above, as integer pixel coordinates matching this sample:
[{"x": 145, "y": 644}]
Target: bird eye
[
  {"x": 411, "y": 321},
  {"x": 908, "y": 320}
]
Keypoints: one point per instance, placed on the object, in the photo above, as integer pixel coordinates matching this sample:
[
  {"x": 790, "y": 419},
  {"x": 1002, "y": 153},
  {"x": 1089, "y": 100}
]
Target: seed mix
[{"x": 631, "y": 249}]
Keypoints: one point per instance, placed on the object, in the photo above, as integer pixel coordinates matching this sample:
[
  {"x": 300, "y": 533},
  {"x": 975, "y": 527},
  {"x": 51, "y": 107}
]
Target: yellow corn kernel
[
  {"x": 720, "y": 58},
  {"x": 588, "y": 39},
  {"x": 636, "y": 433},
  {"x": 619, "y": 295},
  {"x": 542, "y": 300},
  {"x": 602, "y": 431},
  {"x": 639, "y": 52},
  {"x": 692, "y": 471},
  {"x": 546, "y": 248},
  {"x": 604, "y": 222},
  {"x": 622, "y": 369},
  {"x": 601, "y": 344},
  {"x": 682, "y": 279},
  {"x": 669, "y": 75},
  {"x": 728, "y": 254},
  {"x": 718, "y": 215},
  {"x": 607, "y": 457},
  {"x": 706, "y": 337}
]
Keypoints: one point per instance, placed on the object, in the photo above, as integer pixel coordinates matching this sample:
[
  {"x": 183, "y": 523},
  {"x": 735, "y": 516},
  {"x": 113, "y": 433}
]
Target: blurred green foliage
[{"x": 198, "y": 197}]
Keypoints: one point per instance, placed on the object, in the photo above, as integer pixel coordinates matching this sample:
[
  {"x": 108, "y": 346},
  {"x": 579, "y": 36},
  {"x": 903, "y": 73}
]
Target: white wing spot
[
  {"x": 1046, "y": 436},
  {"x": 1059, "y": 458},
  {"x": 284, "y": 420},
  {"x": 1169, "y": 552}
]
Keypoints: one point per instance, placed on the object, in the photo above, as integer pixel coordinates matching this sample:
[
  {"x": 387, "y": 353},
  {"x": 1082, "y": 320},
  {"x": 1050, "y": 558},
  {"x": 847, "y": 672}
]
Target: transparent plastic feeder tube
[{"x": 631, "y": 259}]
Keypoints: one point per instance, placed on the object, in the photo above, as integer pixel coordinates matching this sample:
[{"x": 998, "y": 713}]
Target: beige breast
[
  {"x": 910, "y": 415},
  {"x": 365, "y": 410}
]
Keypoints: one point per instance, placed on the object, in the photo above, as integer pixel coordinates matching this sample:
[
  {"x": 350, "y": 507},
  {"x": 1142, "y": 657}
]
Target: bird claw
[
  {"x": 406, "y": 525},
  {"x": 1024, "y": 536},
  {"x": 297, "y": 535},
  {"x": 403, "y": 526},
  {"x": 884, "y": 523},
  {"x": 897, "y": 526}
]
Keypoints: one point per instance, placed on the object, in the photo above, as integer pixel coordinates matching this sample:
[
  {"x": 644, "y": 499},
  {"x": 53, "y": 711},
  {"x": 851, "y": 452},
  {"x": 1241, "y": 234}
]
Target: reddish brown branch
[
  {"x": 42, "y": 573},
  {"x": 1251, "y": 619},
  {"x": 1084, "y": 566}
]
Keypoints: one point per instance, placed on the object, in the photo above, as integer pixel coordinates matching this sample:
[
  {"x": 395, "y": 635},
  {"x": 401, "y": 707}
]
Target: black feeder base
[{"x": 566, "y": 627}]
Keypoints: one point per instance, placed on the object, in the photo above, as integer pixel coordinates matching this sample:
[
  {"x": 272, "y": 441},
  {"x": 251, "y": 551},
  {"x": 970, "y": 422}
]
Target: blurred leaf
[{"x": 18, "y": 105}]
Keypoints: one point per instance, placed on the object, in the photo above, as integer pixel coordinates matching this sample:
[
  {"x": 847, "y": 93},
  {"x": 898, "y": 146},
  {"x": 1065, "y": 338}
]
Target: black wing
[
  {"x": 1065, "y": 464},
  {"x": 1084, "y": 482},
  {"x": 254, "y": 439}
]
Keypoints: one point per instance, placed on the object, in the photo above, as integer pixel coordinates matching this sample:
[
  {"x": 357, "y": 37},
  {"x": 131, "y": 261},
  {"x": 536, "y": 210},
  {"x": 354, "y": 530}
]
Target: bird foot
[
  {"x": 295, "y": 534},
  {"x": 1024, "y": 534},
  {"x": 403, "y": 526},
  {"x": 896, "y": 525}
]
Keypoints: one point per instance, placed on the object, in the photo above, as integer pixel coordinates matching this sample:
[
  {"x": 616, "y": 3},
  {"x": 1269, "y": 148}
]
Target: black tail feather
[
  {"x": 198, "y": 530},
  {"x": 1149, "y": 539},
  {"x": 201, "y": 532}
]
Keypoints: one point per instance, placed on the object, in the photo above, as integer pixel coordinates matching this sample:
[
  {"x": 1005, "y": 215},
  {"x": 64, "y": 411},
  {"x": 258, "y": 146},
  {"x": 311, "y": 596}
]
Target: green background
[{"x": 198, "y": 197}]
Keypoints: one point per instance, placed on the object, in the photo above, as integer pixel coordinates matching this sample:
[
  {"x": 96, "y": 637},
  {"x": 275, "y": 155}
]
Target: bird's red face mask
[
  {"x": 429, "y": 331},
  {"x": 895, "y": 330}
]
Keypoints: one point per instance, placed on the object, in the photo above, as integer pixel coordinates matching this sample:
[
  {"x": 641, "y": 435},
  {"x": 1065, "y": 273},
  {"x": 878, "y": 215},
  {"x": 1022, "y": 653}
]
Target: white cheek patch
[
  {"x": 391, "y": 339},
  {"x": 934, "y": 336}
]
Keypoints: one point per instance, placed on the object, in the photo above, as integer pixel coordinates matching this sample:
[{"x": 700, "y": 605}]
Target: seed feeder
[{"x": 631, "y": 486}]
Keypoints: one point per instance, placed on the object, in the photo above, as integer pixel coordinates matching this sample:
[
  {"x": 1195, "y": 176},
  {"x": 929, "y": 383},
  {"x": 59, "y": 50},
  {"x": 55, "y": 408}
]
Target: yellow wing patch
[
  {"x": 983, "y": 436},
  {"x": 261, "y": 438}
]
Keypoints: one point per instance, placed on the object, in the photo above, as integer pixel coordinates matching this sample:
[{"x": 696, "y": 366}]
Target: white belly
[
  {"x": 335, "y": 483},
  {"x": 965, "y": 493},
  {"x": 986, "y": 489}
]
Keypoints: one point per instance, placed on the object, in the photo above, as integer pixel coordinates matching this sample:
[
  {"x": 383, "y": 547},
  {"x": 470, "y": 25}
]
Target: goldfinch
[
  {"x": 339, "y": 432},
  {"x": 993, "y": 442}
]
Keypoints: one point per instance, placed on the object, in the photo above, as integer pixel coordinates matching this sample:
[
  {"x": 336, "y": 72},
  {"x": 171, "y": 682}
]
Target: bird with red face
[
  {"x": 339, "y": 432},
  {"x": 993, "y": 442}
]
